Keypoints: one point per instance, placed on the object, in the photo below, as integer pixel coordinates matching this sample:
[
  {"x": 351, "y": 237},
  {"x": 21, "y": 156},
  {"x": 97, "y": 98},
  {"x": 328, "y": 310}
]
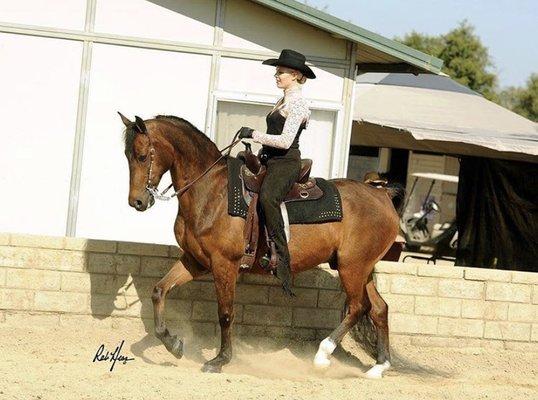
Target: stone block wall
[
  {"x": 440, "y": 305},
  {"x": 60, "y": 280}
]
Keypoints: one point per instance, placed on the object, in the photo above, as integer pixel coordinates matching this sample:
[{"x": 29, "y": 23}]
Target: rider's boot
[{"x": 283, "y": 268}]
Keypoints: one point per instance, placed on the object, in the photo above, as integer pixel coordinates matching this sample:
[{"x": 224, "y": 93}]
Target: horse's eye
[{"x": 142, "y": 158}]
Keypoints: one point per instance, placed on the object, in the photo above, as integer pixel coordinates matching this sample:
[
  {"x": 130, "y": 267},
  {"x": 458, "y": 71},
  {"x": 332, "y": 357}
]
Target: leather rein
[{"x": 161, "y": 196}]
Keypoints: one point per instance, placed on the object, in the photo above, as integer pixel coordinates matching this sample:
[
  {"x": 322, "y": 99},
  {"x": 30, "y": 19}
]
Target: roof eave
[{"x": 355, "y": 33}]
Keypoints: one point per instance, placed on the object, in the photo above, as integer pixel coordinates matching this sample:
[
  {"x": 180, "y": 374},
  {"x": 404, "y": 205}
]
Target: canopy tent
[{"x": 434, "y": 113}]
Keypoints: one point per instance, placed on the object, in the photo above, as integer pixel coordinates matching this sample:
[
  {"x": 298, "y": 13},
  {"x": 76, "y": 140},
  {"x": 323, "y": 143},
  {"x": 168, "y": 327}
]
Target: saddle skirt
[
  {"x": 245, "y": 177},
  {"x": 311, "y": 200}
]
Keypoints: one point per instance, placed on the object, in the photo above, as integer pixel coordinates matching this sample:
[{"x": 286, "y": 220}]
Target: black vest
[{"x": 275, "y": 125}]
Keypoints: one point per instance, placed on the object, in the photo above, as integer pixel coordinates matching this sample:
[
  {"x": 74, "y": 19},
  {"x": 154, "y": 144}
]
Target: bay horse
[{"x": 211, "y": 239}]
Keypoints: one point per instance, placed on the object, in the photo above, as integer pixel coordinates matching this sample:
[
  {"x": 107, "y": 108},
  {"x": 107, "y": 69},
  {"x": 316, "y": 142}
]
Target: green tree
[
  {"x": 426, "y": 43},
  {"x": 522, "y": 100},
  {"x": 465, "y": 58}
]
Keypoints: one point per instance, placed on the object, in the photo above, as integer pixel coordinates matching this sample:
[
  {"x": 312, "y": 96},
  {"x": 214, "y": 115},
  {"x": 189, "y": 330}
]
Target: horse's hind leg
[
  {"x": 355, "y": 287},
  {"x": 379, "y": 312},
  {"x": 183, "y": 271}
]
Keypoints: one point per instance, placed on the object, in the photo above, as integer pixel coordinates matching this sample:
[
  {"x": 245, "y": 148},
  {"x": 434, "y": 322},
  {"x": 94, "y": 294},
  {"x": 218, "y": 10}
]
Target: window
[{"x": 316, "y": 142}]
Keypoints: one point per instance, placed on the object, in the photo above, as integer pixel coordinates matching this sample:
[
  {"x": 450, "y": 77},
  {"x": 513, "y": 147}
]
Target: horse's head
[{"x": 146, "y": 163}]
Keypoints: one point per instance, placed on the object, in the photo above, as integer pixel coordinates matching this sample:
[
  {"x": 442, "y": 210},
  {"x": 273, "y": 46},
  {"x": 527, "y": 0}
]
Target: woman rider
[{"x": 280, "y": 150}]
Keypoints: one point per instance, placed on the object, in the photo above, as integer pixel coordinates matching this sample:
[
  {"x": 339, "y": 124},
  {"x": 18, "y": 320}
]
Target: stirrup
[{"x": 269, "y": 260}]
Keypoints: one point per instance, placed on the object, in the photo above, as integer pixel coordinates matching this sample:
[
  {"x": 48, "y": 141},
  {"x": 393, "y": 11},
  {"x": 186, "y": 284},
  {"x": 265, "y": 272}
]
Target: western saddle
[{"x": 252, "y": 173}]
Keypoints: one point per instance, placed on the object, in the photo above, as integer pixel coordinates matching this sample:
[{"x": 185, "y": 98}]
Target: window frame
[{"x": 270, "y": 100}]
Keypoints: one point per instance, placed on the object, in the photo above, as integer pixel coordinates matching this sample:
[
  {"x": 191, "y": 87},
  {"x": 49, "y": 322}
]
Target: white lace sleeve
[{"x": 297, "y": 112}]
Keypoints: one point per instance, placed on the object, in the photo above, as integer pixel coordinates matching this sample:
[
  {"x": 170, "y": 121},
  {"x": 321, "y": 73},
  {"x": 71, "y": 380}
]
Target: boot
[{"x": 283, "y": 268}]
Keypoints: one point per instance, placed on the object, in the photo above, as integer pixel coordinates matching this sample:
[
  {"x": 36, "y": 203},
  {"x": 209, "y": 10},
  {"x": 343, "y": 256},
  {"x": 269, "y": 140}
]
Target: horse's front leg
[
  {"x": 183, "y": 271},
  {"x": 225, "y": 274}
]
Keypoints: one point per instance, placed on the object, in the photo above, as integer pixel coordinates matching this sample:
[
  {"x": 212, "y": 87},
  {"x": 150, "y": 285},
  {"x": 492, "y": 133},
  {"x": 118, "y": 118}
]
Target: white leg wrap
[
  {"x": 326, "y": 348},
  {"x": 376, "y": 372}
]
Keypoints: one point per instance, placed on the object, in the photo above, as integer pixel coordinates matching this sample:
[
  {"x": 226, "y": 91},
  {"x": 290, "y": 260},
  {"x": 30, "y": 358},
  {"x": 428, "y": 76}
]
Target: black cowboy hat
[{"x": 292, "y": 59}]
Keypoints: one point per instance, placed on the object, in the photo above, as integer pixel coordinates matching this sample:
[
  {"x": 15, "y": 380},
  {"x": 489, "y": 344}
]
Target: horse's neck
[{"x": 189, "y": 163}]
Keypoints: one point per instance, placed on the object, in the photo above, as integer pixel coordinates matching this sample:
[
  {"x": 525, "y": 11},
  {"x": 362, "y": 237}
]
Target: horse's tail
[{"x": 396, "y": 192}]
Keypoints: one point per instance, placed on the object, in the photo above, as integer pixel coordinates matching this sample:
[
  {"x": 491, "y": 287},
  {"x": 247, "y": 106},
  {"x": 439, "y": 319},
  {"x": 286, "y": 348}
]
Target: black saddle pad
[{"x": 325, "y": 209}]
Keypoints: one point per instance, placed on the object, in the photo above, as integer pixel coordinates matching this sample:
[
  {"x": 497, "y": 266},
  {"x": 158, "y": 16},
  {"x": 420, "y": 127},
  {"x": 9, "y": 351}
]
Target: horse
[{"x": 211, "y": 238}]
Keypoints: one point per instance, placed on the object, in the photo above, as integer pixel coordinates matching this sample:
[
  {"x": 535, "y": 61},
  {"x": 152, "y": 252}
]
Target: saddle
[{"x": 252, "y": 174}]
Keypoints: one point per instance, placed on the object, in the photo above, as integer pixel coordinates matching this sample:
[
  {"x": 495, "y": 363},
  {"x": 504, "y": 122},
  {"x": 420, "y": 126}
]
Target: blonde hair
[{"x": 301, "y": 78}]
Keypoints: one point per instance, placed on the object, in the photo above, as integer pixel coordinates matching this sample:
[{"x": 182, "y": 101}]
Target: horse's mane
[{"x": 185, "y": 125}]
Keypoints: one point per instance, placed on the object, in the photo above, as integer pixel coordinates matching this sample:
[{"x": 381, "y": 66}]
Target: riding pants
[{"x": 282, "y": 172}]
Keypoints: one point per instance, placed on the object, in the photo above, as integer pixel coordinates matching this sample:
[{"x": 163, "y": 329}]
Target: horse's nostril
[{"x": 138, "y": 204}]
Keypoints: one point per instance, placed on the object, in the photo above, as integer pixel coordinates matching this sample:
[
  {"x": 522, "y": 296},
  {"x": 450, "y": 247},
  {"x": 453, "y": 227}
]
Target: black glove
[{"x": 245, "y": 133}]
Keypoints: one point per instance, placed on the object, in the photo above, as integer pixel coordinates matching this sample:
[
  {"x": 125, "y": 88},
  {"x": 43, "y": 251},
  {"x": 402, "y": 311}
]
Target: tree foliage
[
  {"x": 522, "y": 100},
  {"x": 425, "y": 43}
]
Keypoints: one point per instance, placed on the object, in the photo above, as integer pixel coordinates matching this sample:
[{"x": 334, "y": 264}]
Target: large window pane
[
  {"x": 316, "y": 142},
  {"x": 38, "y": 109},
  {"x": 232, "y": 116},
  {"x": 67, "y": 14},
  {"x": 180, "y": 21}
]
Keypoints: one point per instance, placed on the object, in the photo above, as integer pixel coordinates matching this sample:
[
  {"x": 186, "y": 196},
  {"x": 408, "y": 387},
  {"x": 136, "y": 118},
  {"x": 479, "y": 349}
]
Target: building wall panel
[
  {"x": 251, "y": 76},
  {"x": 182, "y": 21},
  {"x": 38, "y": 109},
  {"x": 67, "y": 14},
  {"x": 252, "y": 26},
  {"x": 135, "y": 82}
]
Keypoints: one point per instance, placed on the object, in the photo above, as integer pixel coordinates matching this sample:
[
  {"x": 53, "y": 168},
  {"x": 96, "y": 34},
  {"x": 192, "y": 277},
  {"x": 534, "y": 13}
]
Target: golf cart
[{"x": 419, "y": 227}]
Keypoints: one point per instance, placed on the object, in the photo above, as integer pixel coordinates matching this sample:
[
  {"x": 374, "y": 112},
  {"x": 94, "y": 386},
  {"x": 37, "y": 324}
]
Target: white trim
[
  {"x": 343, "y": 139},
  {"x": 267, "y": 99},
  {"x": 82, "y": 108},
  {"x": 215, "y": 63},
  {"x": 336, "y": 149}
]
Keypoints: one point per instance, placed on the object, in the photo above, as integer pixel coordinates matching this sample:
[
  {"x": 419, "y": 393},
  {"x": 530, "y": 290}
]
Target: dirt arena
[{"x": 55, "y": 363}]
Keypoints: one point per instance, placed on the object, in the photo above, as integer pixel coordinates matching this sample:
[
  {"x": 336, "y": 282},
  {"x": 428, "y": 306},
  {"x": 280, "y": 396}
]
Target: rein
[{"x": 161, "y": 196}]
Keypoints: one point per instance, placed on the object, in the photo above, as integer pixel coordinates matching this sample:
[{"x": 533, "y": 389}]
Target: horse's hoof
[
  {"x": 175, "y": 346},
  {"x": 376, "y": 372},
  {"x": 322, "y": 364},
  {"x": 326, "y": 348},
  {"x": 215, "y": 369}
]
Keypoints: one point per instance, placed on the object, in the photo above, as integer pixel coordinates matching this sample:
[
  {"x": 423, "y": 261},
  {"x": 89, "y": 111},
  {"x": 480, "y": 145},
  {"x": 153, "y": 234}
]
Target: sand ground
[{"x": 56, "y": 363}]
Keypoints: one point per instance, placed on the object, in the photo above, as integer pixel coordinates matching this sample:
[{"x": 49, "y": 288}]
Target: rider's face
[{"x": 285, "y": 77}]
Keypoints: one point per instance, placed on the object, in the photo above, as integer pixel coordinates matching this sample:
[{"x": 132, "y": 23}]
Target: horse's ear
[
  {"x": 140, "y": 125},
  {"x": 125, "y": 120}
]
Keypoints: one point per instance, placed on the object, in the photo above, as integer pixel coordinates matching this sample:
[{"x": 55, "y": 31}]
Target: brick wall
[{"x": 56, "y": 280}]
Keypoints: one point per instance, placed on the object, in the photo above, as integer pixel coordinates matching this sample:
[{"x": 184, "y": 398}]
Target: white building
[{"x": 67, "y": 66}]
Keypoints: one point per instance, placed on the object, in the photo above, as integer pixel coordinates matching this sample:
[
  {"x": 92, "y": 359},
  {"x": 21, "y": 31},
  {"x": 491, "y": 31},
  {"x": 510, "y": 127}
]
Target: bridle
[{"x": 161, "y": 196}]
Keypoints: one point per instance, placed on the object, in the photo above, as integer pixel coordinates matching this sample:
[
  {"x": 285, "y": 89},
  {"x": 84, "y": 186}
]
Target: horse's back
[
  {"x": 368, "y": 206},
  {"x": 362, "y": 193}
]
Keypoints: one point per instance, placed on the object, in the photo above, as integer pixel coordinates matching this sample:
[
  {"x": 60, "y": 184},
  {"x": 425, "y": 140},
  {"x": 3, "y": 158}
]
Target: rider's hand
[{"x": 245, "y": 133}]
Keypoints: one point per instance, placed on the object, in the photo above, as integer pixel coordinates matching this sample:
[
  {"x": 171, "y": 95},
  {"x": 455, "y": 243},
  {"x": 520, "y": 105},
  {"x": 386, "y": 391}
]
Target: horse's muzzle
[{"x": 143, "y": 203}]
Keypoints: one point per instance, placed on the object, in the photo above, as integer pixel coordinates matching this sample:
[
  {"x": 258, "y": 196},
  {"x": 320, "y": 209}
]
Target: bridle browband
[{"x": 161, "y": 196}]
